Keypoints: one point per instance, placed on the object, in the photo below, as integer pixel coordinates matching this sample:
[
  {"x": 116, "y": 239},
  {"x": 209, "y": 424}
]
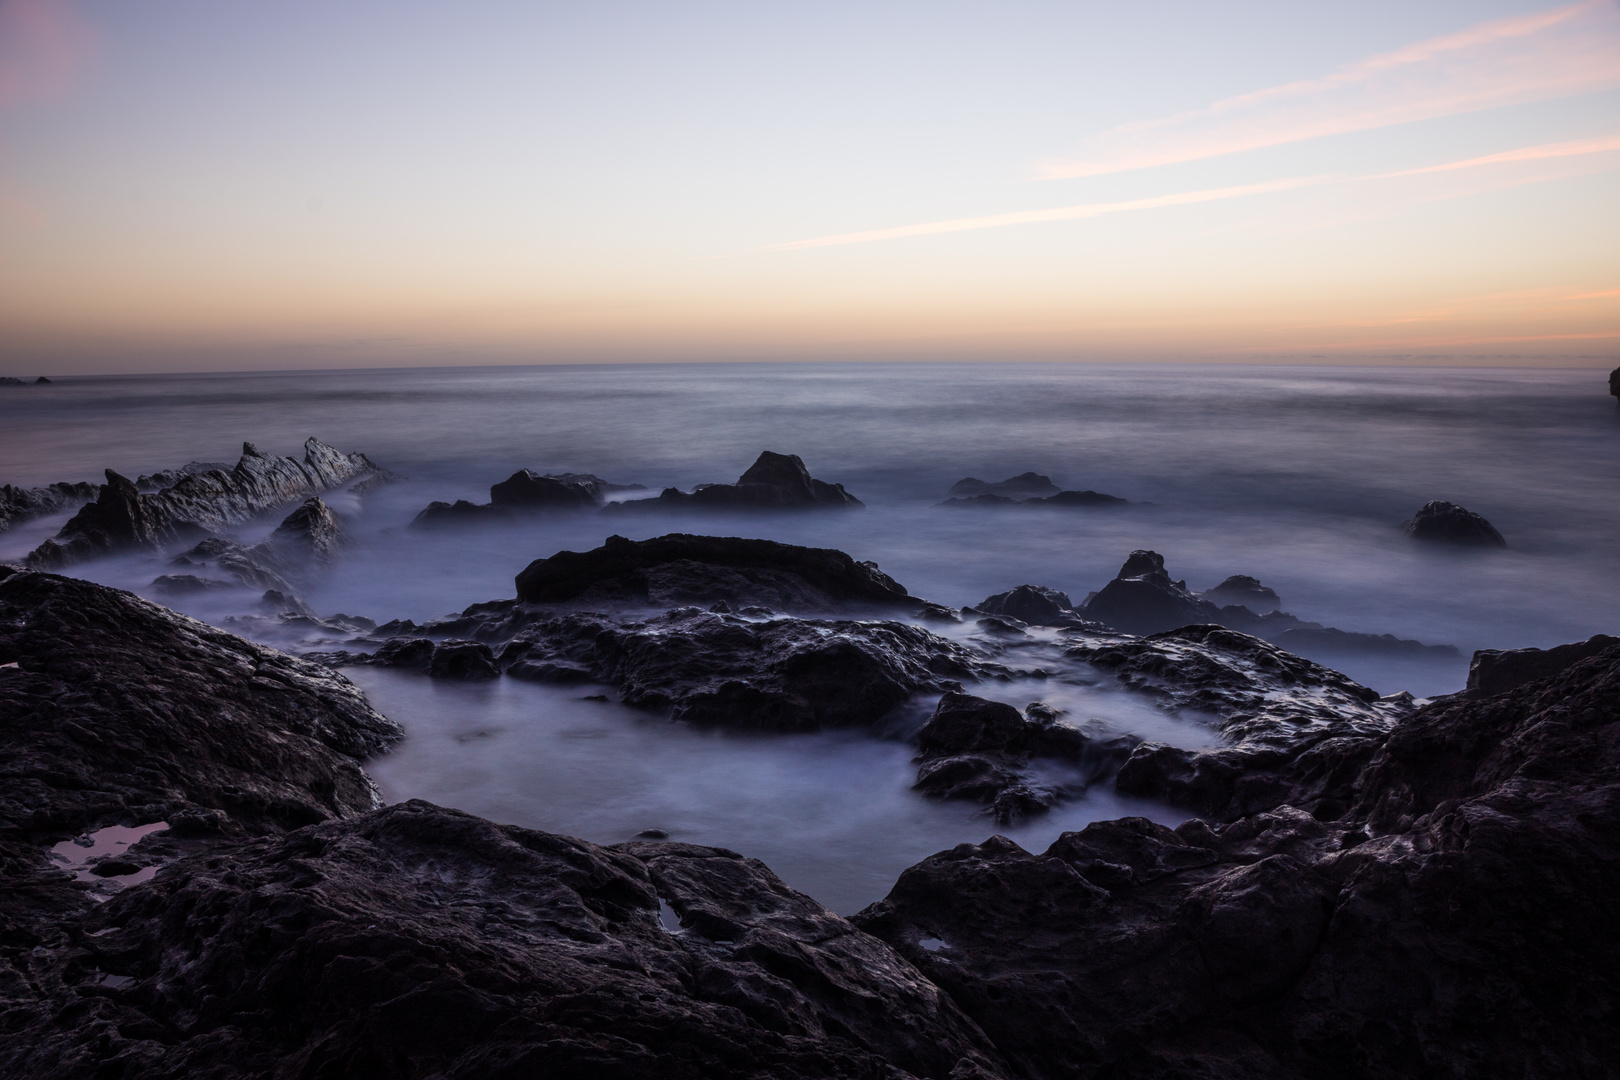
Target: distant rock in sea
[
  {"x": 1246, "y": 591},
  {"x": 773, "y": 482},
  {"x": 1027, "y": 485},
  {"x": 23, "y": 504},
  {"x": 1447, "y": 523},
  {"x": 990, "y": 499},
  {"x": 525, "y": 491},
  {"x": 1614, "y": 383}
]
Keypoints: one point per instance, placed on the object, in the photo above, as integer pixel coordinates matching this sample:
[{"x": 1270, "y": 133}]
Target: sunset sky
[{"x": 189, "y": 185}]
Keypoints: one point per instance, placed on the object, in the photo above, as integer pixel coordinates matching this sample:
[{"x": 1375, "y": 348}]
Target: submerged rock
[
  {"x": 1447, "y": 523},
  {"x": 1441, "y": 925},
  {"x": 18, "y": 505},
  {"x": 680, "y": 568},
  {"x": 772, "y": 482},
  {"x": 122, "y": 518}
]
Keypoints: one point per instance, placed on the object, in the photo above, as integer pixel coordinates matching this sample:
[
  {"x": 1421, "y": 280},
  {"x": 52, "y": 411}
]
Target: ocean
[{"x": 1300, "y": 476}]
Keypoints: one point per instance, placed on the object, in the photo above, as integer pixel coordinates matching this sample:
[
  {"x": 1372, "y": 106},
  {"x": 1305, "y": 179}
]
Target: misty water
[{"x": 1298, "y": 476}]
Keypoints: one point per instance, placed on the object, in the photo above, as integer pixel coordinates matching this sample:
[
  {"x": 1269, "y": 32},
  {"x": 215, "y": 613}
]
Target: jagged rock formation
[
  {"x": 1447, "y": 523},
  {"x": 307, "y": 539},
  {"x": 680, "y": 568},
  {"x": 167, "y": 478},
  {"x": 18, "y": 505},
  {"x": 772, "y": 482},
  {"x": 1029, "y": 485},
  {"x": 1143, "y": 600},
  {"x": 122, "y": 518},
  {"x": 1453, "y": 920}
]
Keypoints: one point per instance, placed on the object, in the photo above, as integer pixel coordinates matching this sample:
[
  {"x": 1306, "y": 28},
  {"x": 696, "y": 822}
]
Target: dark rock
[
  {"x": 528, "y": 490},
  {"x": 773, "y": 482},
  {"x": 1243, "y": 591},
  {"x": 460, "y": 512},
  {"x": 24, "y": 504},
  {"x": 10, "y": 380},
  {"x": 964, "y": 723},
  {"x": 1061, "y": 499},
  {"x": 1496, "y": 671},
  {"x": 309, "y": 534},
  {"x": 680, "y": 568},
  {"x": 167, "y": 478},
  {"x": 420, "y": 941},
  {"x": 467, "y": 660},
  {"x": 1614, "y": 383},
  {"x": 977, "y": 501},
  {"x": 118, "y": 704},
  {"x": 1023, "y": 486},
  {"x": 778, "y": 675},
  {"x": 1448, "y": 523},
  {"x": 1143, "y": 600},
  {"x": 1079, "y": 498},
  {"x": 413, "y": 653},
  {"x": 1452, "y": 923},
  {"x": 42, "y": 381},
  {"x": 188, "y": 585},
  {"x": 1033, "y": 604},
  {"x": 122, "y": 518}
]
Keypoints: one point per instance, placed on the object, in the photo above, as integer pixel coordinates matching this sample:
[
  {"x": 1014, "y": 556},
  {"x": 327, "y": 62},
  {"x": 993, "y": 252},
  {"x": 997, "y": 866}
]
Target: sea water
[{"x": 1298, "y": 476}]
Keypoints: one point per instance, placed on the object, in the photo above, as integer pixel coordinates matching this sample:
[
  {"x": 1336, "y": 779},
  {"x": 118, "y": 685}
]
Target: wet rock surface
[
  {"x": 122, "y": 518},
  {"x": 18, "y": 505},
  {"x": 417, "y": 941},
  {"x": 680, "y": 568},
  {"x": 1443, "y": 522},
  {"x": 1454, "y": 920},
  {"x": 773, "y": 482}
]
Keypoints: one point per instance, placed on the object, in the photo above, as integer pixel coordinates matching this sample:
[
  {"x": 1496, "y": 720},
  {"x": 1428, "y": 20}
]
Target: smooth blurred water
[{"x": 1299, "y": 476}]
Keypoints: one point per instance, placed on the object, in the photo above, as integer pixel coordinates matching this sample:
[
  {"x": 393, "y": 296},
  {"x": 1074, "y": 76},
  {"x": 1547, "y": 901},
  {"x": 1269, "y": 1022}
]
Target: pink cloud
[
  {"x": 43, "y": 47},
  {"x": 1568, "y": 50}
]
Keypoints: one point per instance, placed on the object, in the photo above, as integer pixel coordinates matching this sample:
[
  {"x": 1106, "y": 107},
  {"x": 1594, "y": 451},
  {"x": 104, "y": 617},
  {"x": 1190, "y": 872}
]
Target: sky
[{"x": 191, "y": 185}]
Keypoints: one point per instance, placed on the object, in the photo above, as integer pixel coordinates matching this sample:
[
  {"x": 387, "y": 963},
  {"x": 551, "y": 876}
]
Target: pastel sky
[{"x": 196, "y": 185}]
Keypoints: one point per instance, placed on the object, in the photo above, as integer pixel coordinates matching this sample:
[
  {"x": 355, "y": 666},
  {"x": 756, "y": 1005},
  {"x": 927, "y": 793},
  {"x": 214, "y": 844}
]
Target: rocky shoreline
[{"x": 1364, "y": 886}]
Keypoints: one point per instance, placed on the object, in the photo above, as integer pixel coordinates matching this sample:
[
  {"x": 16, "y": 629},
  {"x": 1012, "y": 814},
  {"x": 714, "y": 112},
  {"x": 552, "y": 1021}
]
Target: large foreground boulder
[
  {"x": 773, "y": 482},
  {"x": 680, "y": 568},
  {"x": 421, "y": 942},
  {"x": 1456, "y": 920}
]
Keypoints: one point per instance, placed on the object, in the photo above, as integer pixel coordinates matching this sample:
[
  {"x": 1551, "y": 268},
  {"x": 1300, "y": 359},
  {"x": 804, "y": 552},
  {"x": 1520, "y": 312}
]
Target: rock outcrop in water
[
  {"x": 772, "y": 482},
  {"x": 1443, "y": 522},
  {"x": 18, "y": 505},
  {"x": 1455, "y": 919},
  {"x": 525, "y": 491},
  {"x": 1029, "y": 485},
  {"x": 680, "y": 568},
  {"x": 1062, "y": 499},
  {"x": 1241, "y": 590},
  {"x": 122, "y": 518}
]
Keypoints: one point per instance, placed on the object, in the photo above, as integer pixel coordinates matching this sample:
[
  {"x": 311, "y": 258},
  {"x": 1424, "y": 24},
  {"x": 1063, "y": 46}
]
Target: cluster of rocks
[
  {"x": 305, "y": 541},
  {"x": 12, "y": 380},
  {"x": 1025, "y": 489},
  {"x": 122, "y": 518},
  {"x": 524, "y": 492},
  {"x": 1372, "y": 888}
]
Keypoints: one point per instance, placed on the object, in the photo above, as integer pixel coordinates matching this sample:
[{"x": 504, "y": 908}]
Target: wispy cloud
[
  {"x": 1060, "y": 213},
  {"x": 1568, "y": 50},
  {"x": 1544, "y": 151}
]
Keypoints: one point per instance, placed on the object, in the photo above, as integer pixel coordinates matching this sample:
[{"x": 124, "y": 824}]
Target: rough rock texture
[
  {"x": 1243, "y": 591},
  {"x": 680, "y": 569},
  {"x": 1028, "y": 485},
  {"x": 772, "y": 482},
  {"x": 1143, "y": 600},
  {"x": 1496, "y": 671},
  {"x": 119, "y": 710},
  {"x": 1456, "y": 921},
  {"x": 310, "y": 534},
  {"x": 122, "y": 518},
  {"x": 979, "y": 750},
  {"x": 1293, "y": 729},
  {"x": 167, "y": 478},
  {"x": 24, "y": 504},
  {"x": 1447, "y": 523},
  {"x": 776, "y": 675},
  {"x": 1032, "y": 604},
  {"x": 419, "y": 942}
]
